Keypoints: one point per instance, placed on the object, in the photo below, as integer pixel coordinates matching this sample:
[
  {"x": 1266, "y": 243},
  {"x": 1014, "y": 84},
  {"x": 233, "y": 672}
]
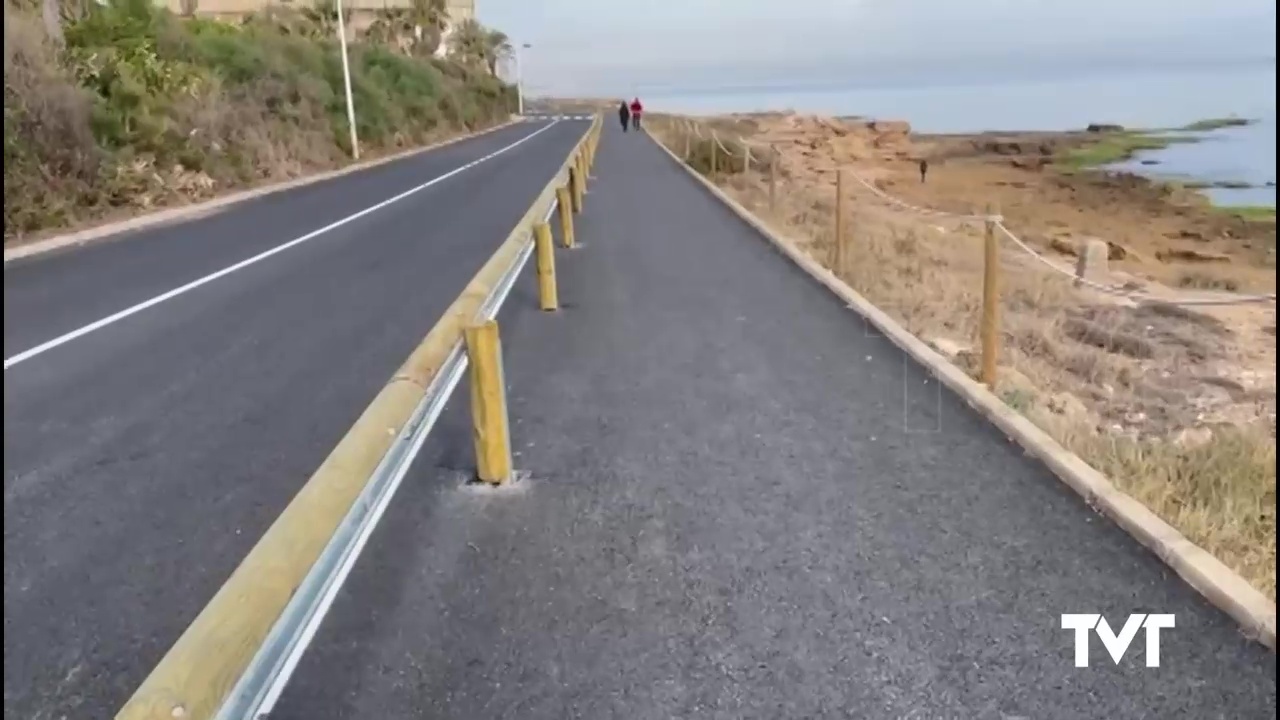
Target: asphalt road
[
  {"x": 742, "y": 503},
  {"x": 143, "y": 459}
]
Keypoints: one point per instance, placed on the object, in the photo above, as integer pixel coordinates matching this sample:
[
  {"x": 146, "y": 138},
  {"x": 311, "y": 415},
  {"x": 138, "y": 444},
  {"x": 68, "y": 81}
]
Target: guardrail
[{"x": 235, "y": 657}]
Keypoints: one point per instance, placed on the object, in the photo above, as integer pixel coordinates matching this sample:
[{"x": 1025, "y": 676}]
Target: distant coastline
[{"x": 1232, "y": 160}]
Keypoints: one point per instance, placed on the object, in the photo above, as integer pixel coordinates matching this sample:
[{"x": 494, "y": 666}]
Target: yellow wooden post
[
  {"x": 488, "y": 403},
  {"x": 837, "y": 256},
  {"x": 547, "y": 294},
  {"x": 575, "y": 188},
  {"x": 565, "y": 206},
  {"x": 990, "y": 301}
]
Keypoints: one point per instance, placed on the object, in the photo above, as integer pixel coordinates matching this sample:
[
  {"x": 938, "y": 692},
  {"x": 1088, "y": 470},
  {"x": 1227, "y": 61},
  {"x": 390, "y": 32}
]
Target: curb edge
[
  {"x": 181, "y": 213},
  {"x": 1218, "y": 583}
]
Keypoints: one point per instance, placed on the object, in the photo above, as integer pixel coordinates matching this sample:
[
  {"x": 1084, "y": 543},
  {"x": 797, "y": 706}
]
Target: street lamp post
[
  {"x": 520, "y": 80},
  {"x": 346, "y": 80}
]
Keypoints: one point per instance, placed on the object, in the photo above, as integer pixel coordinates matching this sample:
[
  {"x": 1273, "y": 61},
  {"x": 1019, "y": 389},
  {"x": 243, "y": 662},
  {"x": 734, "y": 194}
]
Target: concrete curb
[
  {"x": 186, "y": 212},
  {"x": 1209, "y": 576}
]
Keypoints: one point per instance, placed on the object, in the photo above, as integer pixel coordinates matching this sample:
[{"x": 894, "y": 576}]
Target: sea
[{"x": 1151, "y": 98}]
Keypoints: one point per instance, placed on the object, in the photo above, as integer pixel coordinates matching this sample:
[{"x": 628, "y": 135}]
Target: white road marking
[{"x": 116, "y": 317}]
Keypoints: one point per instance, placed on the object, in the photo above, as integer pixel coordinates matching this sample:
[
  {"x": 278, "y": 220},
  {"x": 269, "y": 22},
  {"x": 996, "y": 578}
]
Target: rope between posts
[
  {"x": 1132, "y": 295},
  {"x": 998, "y": 221},
  {"x": 916, "y": 208}
]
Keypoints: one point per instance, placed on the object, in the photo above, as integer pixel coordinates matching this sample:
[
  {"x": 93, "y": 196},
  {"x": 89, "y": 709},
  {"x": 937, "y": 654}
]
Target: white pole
[
  {"x": 520, "y": 80},
  {"x": 346, "y": 80},
  {"x": 520, "y": 86}
]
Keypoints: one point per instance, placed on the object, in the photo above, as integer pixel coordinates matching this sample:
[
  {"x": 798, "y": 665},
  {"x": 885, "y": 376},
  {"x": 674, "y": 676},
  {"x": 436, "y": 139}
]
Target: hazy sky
[{"x": 616, "y": 46}]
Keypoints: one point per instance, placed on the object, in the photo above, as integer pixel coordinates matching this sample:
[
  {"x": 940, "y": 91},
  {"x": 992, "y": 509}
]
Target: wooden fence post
[
  {"x": 990, "y": 329},
  {"x": 837, "y": 261},
  {"x": 773, "y": 179}
]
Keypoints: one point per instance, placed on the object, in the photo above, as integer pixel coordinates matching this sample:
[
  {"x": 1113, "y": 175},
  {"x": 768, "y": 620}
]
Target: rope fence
[{"x": 881, "y": 254}]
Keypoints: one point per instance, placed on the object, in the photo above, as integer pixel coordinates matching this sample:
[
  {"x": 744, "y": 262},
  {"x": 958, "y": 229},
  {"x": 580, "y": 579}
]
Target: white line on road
[{"x": 98, "y": 324}]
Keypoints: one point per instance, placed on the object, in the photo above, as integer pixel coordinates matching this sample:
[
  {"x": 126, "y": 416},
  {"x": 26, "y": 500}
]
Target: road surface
[
  {"x": 742, "y": 503},
  {"x": 143, "y": 458}
]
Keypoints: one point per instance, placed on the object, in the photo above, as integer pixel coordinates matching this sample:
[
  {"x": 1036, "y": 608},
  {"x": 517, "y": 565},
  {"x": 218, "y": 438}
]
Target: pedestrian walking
[
  {"x": 636, "y": 109},
  {"x": 624, "y": 114},
  {"x": 924, "y": 169}
]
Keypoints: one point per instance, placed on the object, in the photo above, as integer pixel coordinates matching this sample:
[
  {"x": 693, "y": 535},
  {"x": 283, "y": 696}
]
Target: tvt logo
[{"x": 1116, "y": 645}]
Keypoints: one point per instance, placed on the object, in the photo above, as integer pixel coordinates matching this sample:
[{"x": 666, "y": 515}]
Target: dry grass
[{"x": 1142, "y": 393}]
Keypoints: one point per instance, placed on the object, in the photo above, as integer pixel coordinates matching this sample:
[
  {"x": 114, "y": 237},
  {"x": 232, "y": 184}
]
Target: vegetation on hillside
[
  {"x": 1216, "y": 124},
  {"x": 1114, "y": 147},
  {"x": 125, "y": 105}
]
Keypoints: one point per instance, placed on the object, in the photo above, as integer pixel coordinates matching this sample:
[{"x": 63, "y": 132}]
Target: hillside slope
[{"x": 140, "y": 108}]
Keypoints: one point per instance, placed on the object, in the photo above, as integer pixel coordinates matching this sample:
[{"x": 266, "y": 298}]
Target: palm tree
[
  {"x": 431, "y": 18},
  {"x": 322, "y": 18},
  {"x": 468, "y": 41},
  {"x": 473, "y": 43},
  {"x": 498, "y": 48}
]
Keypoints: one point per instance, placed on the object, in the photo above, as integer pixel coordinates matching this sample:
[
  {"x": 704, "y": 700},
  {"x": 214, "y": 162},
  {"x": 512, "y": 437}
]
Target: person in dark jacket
[
  {"x": 624, "y": 114},
  {"x": 924, "y": 169},
  {"x": 636, "y": 109}
]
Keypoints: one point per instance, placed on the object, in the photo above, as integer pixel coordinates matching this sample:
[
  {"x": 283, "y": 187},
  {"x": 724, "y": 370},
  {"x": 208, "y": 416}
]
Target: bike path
[{"x": 742, "y": 503}]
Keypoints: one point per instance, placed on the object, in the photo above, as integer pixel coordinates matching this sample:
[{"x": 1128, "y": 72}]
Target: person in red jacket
[{"x": 636, "y": 109}]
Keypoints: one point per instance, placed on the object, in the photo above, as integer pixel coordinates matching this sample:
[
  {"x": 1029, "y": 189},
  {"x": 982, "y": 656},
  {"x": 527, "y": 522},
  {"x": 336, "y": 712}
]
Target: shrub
[{"x": 141, "y": 107}]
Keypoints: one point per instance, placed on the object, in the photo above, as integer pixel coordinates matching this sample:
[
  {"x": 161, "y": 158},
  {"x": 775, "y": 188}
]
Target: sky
[{"x": 615, "y": 47}]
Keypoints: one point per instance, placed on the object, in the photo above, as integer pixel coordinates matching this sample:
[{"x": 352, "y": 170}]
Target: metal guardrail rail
[{"x": 235, "y": 658}]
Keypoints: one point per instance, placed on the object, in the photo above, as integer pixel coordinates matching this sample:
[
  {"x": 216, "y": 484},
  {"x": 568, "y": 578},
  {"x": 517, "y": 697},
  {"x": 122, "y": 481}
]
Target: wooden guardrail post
[
  {"x": 990, "y": 329},
  {"x": 488, "y": 403},
  {"x": 546, "y": 254},
  {"x": 591, "y": 147},
  {"x": 564, "y": 205},
  {"x": 688, "y": 143},
  {"x": 714, "y": 151},
  {"x": 575, "y": 187}
]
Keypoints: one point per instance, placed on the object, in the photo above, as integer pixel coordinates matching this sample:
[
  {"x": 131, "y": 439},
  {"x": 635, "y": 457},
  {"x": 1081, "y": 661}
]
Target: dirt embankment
[{"x": 1175, "y": 403}]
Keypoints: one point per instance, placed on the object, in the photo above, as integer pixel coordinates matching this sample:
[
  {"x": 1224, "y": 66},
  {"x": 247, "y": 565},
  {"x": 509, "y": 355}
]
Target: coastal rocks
[
  {"x": 1191, "y": 256},
  {"x": 1032, "y": 163},
  {"x": 1063, "y": 246},
  {"x": 1193, "y": 437},
  {"x": 889, "y": 127},
  {"x": 1091, "y": 264},
  {"x": 1072, "y": 246}
]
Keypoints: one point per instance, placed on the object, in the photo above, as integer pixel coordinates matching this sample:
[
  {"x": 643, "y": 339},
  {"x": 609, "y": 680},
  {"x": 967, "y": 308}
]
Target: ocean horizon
[{"x": 1150, "y": 98}]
